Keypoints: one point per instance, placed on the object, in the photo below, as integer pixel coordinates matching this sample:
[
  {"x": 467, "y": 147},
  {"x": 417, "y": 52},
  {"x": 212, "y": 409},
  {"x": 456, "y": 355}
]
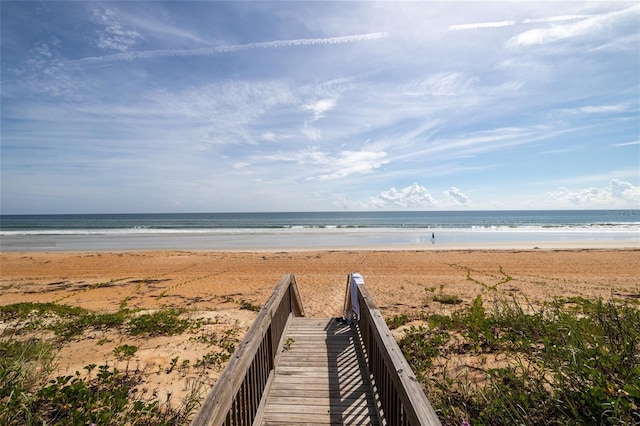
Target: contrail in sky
[
  {"x": 556, "y": 19},
  {"x": 149, "y": 54},
  {"x": 481, "y": 25}
]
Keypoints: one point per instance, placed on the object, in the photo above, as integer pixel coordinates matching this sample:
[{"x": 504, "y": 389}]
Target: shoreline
[
  {"x": 318, "y": 241},
  {"x": 265, "y": 232},
  {"x": 494, "y": 246}
]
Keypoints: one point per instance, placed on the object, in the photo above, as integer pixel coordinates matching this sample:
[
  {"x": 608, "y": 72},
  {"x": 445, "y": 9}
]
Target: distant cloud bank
[
  {"x": 418, "y": 197},
  {"x": 617, "y": 194}
]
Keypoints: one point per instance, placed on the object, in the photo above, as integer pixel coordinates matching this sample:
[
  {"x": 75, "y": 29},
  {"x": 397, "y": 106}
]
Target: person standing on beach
[{"x": 433, "y": 238}]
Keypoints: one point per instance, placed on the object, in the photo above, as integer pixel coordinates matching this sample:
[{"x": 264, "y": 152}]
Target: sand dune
[{"x": 215, "y": 285}]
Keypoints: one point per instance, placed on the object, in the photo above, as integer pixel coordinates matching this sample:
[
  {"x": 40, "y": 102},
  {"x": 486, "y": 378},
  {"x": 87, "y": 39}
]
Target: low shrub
[
  {"x": 396, "y": 321},
  {"x": 166, "y": 322},
  {"x": 563, "y": 366},
  {"x": 447, "y": 299}
]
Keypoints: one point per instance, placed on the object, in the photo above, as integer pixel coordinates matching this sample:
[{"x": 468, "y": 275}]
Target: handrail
[
  {"x": 238, "y": 394},
  {"x": 401, "y": 397}
]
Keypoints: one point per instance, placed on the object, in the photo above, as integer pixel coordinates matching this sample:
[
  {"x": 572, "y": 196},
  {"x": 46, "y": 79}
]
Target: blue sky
[{"x": 311, "y": 106}]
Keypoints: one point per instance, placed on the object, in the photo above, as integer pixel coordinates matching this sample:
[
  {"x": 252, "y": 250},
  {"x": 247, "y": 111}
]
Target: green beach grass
[
  {"x": 33, "y": 394},
  {"x": 571, "y": 362}
]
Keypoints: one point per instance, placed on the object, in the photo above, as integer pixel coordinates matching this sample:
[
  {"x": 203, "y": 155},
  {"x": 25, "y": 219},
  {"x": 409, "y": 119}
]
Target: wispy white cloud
[
  {"x": 154, "y": 27},
  {"x": 219, "y": 100},
  {"x": 628, "y": 143},
  {"x": 443, "y": 84},
  {"x": 312, "y": 133},
  {"x": 596, "y": 109},
  {"x": 588, "y": 25},
  {"x": 318, "y": 108},
  {"x": 113, "y": 35},
  {"x": 355, "y": 162},
  {"x": 629, "y": 43},
  {"x": 482, "y": 141},
  {"x": 44, "y": 71},
  {"x": 208, "y": 51},
  {"x": 509, "y": 23},
  {"x": 322, "y": 165},
  {"x": 240, "y": 165},
  {"x": 557, "y": 151},
  {"x": 548, "y": 35},
  {"x": 603, "y": 109},
  {"x": 269, "y": 136}
]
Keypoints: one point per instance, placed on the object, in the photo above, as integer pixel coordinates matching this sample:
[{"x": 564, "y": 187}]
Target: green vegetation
[
  {"x": 68, "y": 321},
  {"x": 396, "y": 321},
  {"x": 447, "y": 299},
  {"x": 125, "y": 351},
  {"x": 288, "y": 343},
  {"x": 572, "y": 361},
  {"x": 226, "y": 340},
  {"x": 31, "y": 394},
  {"x": 173, "y": 365},
  {"x": 558, "y": 365},
  {"x": 103, "y": 398},
  {"x": 441, "y": 297},
  {"x": 249, "y": 306},
  {"x": 213, "y": 360},
  {"x": 24, "y": 367},
  {"x": 242, "y": 303},
  {"x": 25, "y": 310},
  {"x": 166, "y": 322}
]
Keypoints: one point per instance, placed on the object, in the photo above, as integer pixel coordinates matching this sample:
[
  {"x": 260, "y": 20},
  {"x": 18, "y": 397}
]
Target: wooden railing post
[
  {"x": 401, "y": 397},
  {"x": 238, "y": 394}
]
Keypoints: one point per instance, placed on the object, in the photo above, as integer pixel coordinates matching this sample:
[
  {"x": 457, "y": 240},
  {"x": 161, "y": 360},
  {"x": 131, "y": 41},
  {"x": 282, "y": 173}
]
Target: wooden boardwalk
[
  {"x": 289, "y": 369},
  {"x": 321, "y": 377}
]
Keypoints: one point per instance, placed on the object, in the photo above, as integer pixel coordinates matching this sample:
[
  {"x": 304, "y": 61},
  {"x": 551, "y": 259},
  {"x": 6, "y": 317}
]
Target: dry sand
[{"x": 214, "y": 284}]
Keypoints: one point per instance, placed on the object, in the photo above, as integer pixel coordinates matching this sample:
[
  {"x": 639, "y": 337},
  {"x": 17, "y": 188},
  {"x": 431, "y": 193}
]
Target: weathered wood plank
[
  {"x": 362, "y": 400},
  {"x": 322, "y": 371},
  {"x": 315, "y": 392},
  {"x": 320, "y": 378},
  {"x": 321, "y": 418}
]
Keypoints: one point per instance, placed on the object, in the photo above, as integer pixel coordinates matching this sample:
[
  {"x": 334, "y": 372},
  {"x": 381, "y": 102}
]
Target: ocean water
[{"x": 326, "y": 230}]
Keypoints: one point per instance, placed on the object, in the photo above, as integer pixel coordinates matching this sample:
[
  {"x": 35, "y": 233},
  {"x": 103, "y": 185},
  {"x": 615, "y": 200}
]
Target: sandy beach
[
  {"x": 398, "y": 279},
  {"x": 220, "y": 285}
]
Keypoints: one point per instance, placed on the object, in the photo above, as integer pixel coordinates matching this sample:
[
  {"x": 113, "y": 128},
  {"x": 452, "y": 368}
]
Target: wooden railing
[
  {"x": 400, "y": 395},
  {"x": 236, "y": 397}
]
